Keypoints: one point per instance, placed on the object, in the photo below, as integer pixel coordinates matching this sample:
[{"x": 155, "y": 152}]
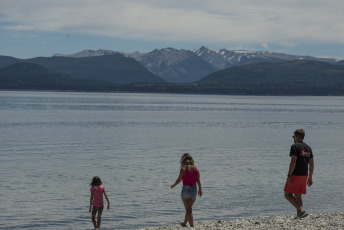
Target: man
[{"x": 298, "y": 174}]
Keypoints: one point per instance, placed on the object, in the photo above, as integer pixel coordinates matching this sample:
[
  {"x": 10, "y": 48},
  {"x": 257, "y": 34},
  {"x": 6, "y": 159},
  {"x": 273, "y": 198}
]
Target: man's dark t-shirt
[{"x": 303, "y": 153}]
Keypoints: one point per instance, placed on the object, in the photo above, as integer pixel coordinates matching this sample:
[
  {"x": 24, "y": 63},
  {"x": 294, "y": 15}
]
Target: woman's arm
[
  {"x": 107, "y": 199},
  {"x": 91, "y": 201},
  {"x": 199, "y": 185},
  {"x": 181, "y": 174}
]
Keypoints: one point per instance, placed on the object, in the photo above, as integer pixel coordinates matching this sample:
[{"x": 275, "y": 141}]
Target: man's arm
[
  {"x": 292, "y": 164},
  {"x": 310, "y": 174},
  {"x": 291, "y": 167}
]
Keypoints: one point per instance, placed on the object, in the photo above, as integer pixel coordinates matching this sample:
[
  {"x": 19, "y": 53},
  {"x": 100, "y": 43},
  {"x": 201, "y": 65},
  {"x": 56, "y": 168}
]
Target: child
[
  {"x": 190, "y": 177},
  {"x": 97, "y": 201}
]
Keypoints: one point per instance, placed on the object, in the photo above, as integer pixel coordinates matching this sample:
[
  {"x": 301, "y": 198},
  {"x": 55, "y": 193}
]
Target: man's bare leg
[
  {"x": 299, "y": 201},
  {"x": 293, "y": 201}
]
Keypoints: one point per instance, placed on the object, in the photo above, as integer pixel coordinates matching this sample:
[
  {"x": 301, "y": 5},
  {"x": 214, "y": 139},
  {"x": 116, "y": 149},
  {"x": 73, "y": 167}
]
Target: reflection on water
[{"x": 52, "y": 144}]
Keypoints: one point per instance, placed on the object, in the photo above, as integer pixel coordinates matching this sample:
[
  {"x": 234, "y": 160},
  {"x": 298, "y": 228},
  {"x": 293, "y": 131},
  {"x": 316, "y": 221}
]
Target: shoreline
[{"x": 332, "y": 220}]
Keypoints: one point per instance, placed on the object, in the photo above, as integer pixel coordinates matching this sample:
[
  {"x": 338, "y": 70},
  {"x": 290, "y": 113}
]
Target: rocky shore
[{"x": 332, "y": 221}]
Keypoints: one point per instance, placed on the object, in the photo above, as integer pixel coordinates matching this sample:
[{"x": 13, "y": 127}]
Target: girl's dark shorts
[
  {"x": 189, "y": 192},
  {"x": 97, "y": 209}
]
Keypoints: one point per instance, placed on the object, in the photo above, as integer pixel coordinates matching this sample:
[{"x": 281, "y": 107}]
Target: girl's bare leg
[
  {"x": 94, "y": 220},
  {"x": 99, "y": 220}
]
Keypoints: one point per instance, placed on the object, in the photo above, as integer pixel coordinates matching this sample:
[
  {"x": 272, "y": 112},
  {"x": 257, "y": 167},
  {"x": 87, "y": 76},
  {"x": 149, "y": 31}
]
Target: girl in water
[
  {"x": 97, "y": 201},
  {"x": 190, "y": 177}
]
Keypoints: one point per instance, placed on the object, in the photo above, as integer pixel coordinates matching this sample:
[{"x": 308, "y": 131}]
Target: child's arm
[
  {"x": 107, "y": 199},
  {"x": 91, "y": 201}
]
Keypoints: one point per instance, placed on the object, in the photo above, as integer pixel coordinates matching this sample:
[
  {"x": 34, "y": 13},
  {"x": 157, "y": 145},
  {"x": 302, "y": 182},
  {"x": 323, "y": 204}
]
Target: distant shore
[{"x": 333, "y": 221}]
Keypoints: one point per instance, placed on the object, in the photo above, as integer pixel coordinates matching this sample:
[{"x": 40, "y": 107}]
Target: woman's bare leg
[
  {"x": 186, "y": 219},
  {"x": 188, "y": 212},
  {"x": 191, "y": 202}
]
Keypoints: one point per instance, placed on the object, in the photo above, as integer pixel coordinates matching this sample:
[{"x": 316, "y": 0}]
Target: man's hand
[
  {"x": 309, "y": 182},
  {"x": 288, "y": 180}
]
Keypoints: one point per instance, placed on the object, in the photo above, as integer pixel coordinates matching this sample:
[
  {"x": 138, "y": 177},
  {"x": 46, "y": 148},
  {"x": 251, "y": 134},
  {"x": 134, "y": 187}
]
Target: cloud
[
  {"x": 250, "y": 21},
  {"x": 265, "y": 45}
]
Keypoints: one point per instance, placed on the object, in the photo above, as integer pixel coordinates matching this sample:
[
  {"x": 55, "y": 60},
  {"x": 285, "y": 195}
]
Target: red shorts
[{"x": 297, "y": 185}]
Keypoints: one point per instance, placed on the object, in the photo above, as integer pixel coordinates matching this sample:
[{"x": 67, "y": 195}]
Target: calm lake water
[{"x": 53, "y": 143}]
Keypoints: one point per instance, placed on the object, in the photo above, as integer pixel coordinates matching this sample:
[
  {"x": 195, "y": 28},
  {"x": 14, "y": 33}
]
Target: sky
[{"x": 32, "y": 28}]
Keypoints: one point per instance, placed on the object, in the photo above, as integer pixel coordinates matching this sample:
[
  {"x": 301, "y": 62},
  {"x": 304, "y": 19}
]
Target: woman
[{"x": 190, "y": 176}]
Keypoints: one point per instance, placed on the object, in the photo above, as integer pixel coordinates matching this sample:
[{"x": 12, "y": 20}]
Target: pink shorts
[{"x": 297, "y": 185}]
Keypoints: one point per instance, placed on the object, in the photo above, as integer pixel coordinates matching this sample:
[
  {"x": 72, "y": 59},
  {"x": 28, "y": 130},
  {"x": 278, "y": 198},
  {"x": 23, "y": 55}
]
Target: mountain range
[
  {"x": 186, "y": 66},
  {"x": 171, "y": 70},
  {"x": 25, "y": 75},
  {"x": 292, "y": 72},
  {"x": 111, "y": 68}
]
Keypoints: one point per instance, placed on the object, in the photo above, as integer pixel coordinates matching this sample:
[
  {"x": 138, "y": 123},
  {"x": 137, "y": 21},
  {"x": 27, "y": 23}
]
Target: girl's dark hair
[
  {"x": 186, "y": 160},
  {"x": 96, "y": 181}
]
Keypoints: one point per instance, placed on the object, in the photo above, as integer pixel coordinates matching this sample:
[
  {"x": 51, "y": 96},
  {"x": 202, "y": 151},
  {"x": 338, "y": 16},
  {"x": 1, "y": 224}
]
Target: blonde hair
[{"x": 186, "y": 160}]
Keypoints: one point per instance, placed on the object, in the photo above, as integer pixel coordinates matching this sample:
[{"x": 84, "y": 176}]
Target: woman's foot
[{"x": 182, "y": 224}]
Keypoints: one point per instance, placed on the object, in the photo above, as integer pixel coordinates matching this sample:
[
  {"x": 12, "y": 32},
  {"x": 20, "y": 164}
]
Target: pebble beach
[{"x": 333, "y": 220}]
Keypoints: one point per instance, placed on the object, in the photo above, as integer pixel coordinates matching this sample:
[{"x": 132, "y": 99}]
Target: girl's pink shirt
[
  {"x": 190, "y": 178},
  {"x": 98, "y": 200}
]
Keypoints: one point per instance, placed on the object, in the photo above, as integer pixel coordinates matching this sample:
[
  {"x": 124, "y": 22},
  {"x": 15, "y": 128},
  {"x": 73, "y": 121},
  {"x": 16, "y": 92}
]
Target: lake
[{"x": 53, "y": 143}]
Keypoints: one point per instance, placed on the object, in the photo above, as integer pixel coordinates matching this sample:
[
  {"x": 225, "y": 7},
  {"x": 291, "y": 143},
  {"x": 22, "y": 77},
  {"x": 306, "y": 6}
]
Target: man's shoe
[{"x": 303, "y": 214}]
